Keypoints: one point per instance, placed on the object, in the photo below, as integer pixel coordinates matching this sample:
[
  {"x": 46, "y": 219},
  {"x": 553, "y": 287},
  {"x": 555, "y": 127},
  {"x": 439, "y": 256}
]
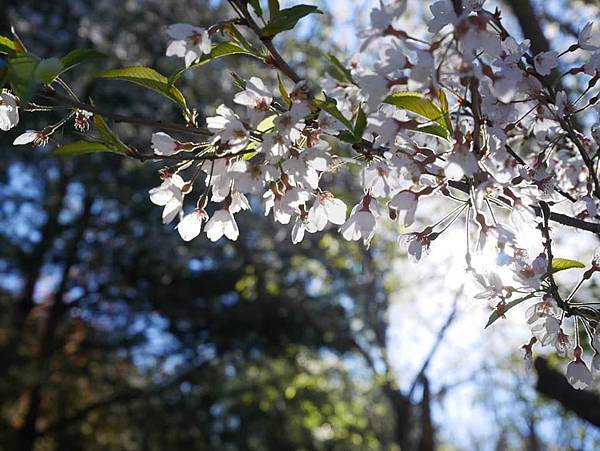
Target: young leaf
[
  {"x": 329, "y": 105},
  {"x": 283, "y": 91},
  {"x": 218, "y": 51},
  {"x": 441, "y": 95},
  {"x": 418, "y": 104},
  {"x": 560, "y": 264},
  {"x": 494, "y": 316},
  {"x": 47, "y": 70},
  {"x": 78, "y": 56},
  {"x": 337, "y": 69},
  {"x": 110, "y": 138},
  {"x": 148, "y": 78},
  {"x": 430, "y": 129},
  {"x": 287, "y": 18},
  {"x": 7, "y": 46},
  {"x": 361, "y": 124},
  {"x": 346, "y": 136},
  {"x": 21, "y": 72},
  {"x": 266, "y": 124},
  {"x": 80, "y": 148},
  {"x": 273, "y": 8}
]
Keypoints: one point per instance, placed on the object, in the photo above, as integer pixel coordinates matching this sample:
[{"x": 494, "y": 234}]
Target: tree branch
[{"x": 553, "y": 384}]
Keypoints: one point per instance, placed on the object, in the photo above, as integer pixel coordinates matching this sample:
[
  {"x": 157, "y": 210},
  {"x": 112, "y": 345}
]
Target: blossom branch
[{"x": 53, "y": 96}]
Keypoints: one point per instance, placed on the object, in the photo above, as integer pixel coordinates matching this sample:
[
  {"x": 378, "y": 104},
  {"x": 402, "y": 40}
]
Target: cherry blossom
[
  {"x": 191, "y": 224},
  {"x": 38, "y": 138},
  {"x": 361, "y": 223},
  {"x": 578, "y": 373},
  {"x": 9, "y": 110},
  {"x": 189, "y": 42},
  {"x": 231, "y": 136},
  {"x": 459, "y": 110},
  {"x": 256, "y": 98},
  {"x": 222, "y": 223},
  {"x": 545, "y": 62},
  {"x": 170, "y": 195}
]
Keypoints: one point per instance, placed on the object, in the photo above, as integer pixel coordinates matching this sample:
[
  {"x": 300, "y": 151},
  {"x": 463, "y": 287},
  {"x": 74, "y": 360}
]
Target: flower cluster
[{"x": 466, "y": 112}]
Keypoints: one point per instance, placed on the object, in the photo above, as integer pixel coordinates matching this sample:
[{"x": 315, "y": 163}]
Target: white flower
[
  {"x": 256, "y": 97},
  {"x": 548, "y": 331},
  {"x": 222, "y": 223},
  {"x": 578, "y": 374},
  {"x": 238, "y": 202},
  {"x": 82, "y": 120},
  {"x": 595, "y": 367},
  {"x": 361, "y": 223},
  {"x": 290, "y": 126},
  {"x": 326, "y": 208},
  {"x": 379, "y": 179},
  {"x": 170, "y": 195},
  {"x": 547, "y": 307},
  {"x": 38, "y": 138},
  {"x": 373, "y": 88},
  {"x": 163, "y": 144},
  {"x": 298, "y": 230},
  {"x": 417, "y": 242},
  {"x": 189, "y": 42},
  {"x": 9, "y": 111},
  {"x": 233, "y": 135},
  {"x": 585, "y": 206},
  {"x": 190, "y": 225},
  {"x": 492, "y": 284},
  {"x": 461, "y": 162},
  {"x": 406, "y": 203},
  {"x": 546, "y": 61},
  {"x": 443, "y": 14},
  {"x": 588, "y": 39}
]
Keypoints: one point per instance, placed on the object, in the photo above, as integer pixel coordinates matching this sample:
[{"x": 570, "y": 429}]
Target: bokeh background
[{"x": 116, "y": 335}]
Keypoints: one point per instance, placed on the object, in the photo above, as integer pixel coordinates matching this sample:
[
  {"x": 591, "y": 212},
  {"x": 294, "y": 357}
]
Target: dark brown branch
[
  {"x": 556, "y": 217},
  {"x": 553, "y": 384},
  {"x": 276, "y": 57}
]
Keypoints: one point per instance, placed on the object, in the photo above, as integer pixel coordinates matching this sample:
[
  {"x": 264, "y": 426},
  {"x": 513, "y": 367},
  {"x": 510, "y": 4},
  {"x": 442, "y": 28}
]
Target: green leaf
[
  {"x": 560, "y": 264},
  {"x": 346, "y": 136},
  {"x": 287, "y": 18},
  {"x": 283, "y": 91},
  {"x": 7, "y": 46},
  {"x": 441, "y": 95},
  {"x": 218, "y": 51},
  {"x": 266, "y": 124},
  {"x": 80, "y": 148},
  {"x": 430, "y": 129},
  {"x": 337, "y": 69},
  {"x": 273, "y": 8},
  {"x": 418, "y": 104},
  {"x": 361, "y": 123},
  {"x": 329, "y": 105},
  {"x": 47, "y": 70},
  {"x": 78, "y": 56},
  {"x": 494, "y": 316},
  {"x": 148, "y": 78},
  {"x": 21, "y": 73},
  {"x": 109, "y": 137}
]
